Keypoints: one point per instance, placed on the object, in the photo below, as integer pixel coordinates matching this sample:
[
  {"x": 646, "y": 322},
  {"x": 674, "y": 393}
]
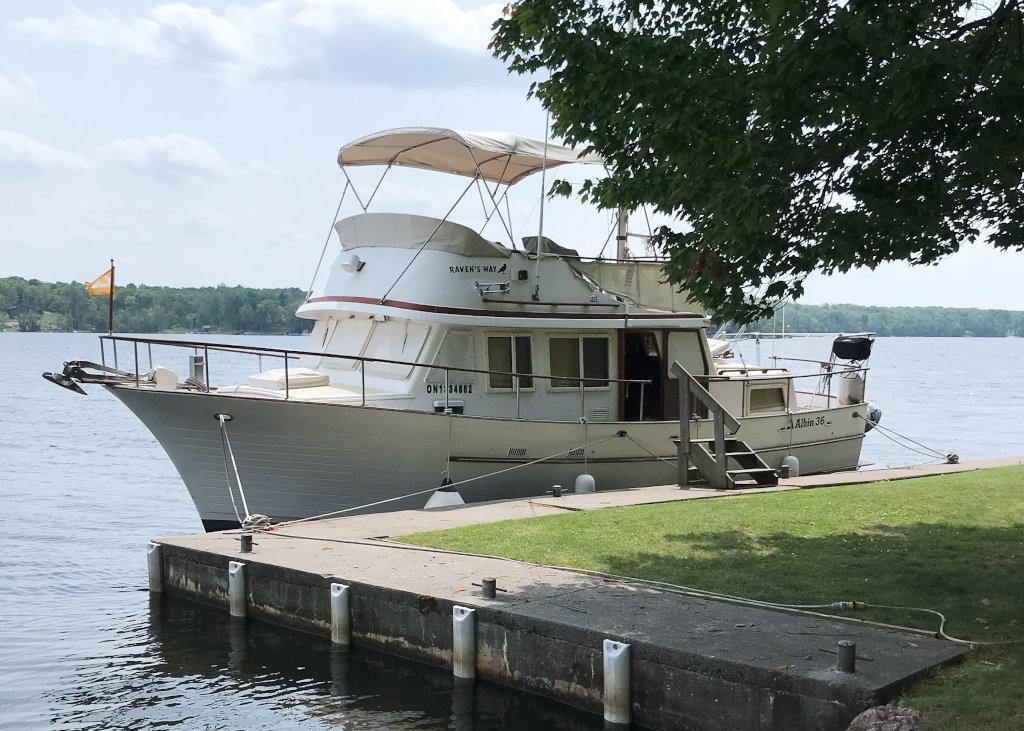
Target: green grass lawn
[{"x": 952, "y": 543}]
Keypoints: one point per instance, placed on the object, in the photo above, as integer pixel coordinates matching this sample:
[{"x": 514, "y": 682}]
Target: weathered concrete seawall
[{"x": 693, "y": 662}]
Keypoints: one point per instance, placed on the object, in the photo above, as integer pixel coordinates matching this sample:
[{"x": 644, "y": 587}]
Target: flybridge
[{"x": 548, "y": 275}]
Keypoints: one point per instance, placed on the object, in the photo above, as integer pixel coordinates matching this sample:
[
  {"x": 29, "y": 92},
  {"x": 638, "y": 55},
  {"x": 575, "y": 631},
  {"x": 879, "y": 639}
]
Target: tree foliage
[
  {"x": 61, "y": 306},
  {"x": 789, "y": 136}
]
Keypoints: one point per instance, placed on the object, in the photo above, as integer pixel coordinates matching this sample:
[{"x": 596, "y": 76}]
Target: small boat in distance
[{"x": 441, "y": 359}]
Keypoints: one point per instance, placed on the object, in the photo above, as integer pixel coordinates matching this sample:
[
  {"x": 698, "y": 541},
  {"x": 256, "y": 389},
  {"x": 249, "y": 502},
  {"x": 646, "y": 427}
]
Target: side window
[
  {"x": 572, "y": 357},
  {"x": 767, "y": 399},
  {"x": 509, "y": 354},
  {"x": 565, "y": 362},
  {"x": 499, "y": 358},
  {"x": 524, "y": 360},
  {"x": 595, "y": 361}
]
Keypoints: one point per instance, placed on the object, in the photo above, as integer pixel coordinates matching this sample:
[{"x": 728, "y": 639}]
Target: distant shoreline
[{"x": 31, "y": 305}]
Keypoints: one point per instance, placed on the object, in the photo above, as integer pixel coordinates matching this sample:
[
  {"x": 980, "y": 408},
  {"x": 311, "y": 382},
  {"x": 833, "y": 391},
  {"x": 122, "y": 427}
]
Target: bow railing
[{"x": 582, "y": 383}]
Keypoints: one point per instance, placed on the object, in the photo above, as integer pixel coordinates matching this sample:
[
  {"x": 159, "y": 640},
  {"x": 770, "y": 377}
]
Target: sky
[{"x": 195, "y": 144}]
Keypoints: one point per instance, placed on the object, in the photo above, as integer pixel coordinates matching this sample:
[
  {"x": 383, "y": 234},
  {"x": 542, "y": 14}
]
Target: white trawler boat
[{"x": 438, "y": 356}]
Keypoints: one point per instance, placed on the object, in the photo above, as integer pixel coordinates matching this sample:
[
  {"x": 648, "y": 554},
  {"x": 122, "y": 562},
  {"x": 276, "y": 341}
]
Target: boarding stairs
[{"x": 723, "y": 461}]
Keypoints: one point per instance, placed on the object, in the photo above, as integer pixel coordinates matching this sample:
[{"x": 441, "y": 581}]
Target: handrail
[
  {"x": 704, "y": 396},
  {"x": 538, "y": 303},
  {"x": 723, "y": 420},
  {"x": 288, "y": 352},
  {"x": 786, "y": 375}
]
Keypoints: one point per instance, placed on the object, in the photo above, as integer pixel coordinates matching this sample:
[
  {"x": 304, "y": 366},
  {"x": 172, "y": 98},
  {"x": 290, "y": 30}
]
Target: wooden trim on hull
[{"x": 442, "y": 310}]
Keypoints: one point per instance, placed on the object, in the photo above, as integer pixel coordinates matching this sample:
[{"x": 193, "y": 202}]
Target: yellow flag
[{"x": 100, "y": 286}]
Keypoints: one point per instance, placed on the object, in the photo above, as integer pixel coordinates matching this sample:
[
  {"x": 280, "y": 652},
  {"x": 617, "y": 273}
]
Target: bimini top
[
  {"x": 405, "y": 231},
  {"x": 499, "y": 157}
]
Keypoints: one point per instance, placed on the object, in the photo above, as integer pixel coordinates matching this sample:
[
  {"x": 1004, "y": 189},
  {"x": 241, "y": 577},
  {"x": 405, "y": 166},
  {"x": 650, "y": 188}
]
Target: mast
[
  {"x": 540, "y": 226},
  {"x": 621, "y": 252}
]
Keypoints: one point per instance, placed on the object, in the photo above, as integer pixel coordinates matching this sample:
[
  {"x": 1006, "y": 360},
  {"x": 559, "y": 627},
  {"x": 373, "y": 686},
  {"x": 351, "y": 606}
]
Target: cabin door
[{"x": 641, "y": 361}]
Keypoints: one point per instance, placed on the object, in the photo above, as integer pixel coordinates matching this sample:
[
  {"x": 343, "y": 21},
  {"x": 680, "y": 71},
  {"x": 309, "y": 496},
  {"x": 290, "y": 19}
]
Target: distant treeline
[
  {"x": 899, "y": 321},
  {"x": 31, "y": 305}
]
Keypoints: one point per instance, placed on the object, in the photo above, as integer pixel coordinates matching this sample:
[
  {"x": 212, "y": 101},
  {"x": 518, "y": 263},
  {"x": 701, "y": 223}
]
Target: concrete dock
[{"x": 693, "y": 661}]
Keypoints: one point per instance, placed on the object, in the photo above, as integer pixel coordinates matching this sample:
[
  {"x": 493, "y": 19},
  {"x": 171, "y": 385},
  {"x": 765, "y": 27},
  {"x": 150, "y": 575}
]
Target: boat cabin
[{"x": 427, "y": 314}]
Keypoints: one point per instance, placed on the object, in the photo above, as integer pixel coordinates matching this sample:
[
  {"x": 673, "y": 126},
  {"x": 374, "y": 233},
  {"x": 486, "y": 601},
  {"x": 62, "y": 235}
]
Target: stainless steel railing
[{"x": 288, "y": 354}]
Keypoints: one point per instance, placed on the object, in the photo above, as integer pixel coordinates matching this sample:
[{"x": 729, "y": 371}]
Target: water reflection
[{"x": 199, "y": 667}]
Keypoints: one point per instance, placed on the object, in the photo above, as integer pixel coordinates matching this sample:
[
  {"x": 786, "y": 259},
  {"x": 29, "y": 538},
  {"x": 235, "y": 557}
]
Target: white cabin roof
[{"x": 499, "y": 157}]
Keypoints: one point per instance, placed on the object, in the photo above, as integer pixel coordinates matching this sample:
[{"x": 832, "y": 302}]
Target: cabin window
[
  {"x": 767, "y": 399},
  {"x": 343, "y": 336},
  {"x": 572, "y": 356},
  {"x": 395, "y": 340},
  {"x": 456, "y": 351},
  {"x": 509, "y": 354}
]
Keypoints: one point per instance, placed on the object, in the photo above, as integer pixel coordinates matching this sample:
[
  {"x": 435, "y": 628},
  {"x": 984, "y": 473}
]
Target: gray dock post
[
  {"x": 616, "y": 682},
  {"x": 236, "y": 588},
  {"x": 846, "y": 656},
  {"x": 463, "y": 642},
  {"x": 489, "y": 587},
  {"x": 156, "y": 569},
  {"x": 341, "y": 630}
]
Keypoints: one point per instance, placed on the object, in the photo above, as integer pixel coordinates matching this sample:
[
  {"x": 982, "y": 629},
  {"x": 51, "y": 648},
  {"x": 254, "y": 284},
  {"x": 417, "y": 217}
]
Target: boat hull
[{"x": 298, "y": 459}]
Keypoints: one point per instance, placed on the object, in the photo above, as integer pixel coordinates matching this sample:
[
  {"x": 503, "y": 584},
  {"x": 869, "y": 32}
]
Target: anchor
[
  {"x": 76, "y": 371},
  {"x": 64, "y": 382}
]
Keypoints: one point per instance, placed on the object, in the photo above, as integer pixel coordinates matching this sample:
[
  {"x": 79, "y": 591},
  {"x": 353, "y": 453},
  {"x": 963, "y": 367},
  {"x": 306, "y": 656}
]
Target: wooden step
[{"x": 750, "y": 471}]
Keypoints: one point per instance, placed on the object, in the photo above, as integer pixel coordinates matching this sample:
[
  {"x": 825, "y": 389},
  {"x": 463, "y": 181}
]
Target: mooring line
[
  {"x": 617, "y": 435},
  {"x": 890, "y": 434},
  {"x": 226, "y": 441}
]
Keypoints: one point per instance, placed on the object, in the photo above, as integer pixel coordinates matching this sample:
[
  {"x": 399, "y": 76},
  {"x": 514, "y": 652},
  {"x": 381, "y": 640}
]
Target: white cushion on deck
[{"x": 300, "y": 377}]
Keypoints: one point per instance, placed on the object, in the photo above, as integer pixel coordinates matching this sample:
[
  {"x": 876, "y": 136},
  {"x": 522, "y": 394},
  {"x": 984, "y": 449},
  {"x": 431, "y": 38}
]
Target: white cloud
[
  {"x": 17, "y": 91},
  {"x": 272, "y": 38},
  {"x": 167, "y": 156},
  {"x": 21, "y": 151}
]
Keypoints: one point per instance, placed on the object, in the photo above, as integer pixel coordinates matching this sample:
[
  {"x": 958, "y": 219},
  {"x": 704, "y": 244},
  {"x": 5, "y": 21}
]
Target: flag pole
[{"x": 110, "y": 302}]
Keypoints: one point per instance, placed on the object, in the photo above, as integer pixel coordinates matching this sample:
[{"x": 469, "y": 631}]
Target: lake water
[{"x": 85, "y": 486}]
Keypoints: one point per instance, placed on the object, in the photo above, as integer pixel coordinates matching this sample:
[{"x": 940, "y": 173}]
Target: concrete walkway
[
  {"x": 384, "y": 525},
  {"x": 697, "y": 661}
]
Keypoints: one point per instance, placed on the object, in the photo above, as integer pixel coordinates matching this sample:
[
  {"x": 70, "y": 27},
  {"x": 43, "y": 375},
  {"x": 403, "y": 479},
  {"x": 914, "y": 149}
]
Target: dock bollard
[
  {"x": 463, "y": 642},
  {"x": 616, "y": 682},
  {"x": 156, "y": 569},
  {"x": 236, "y": 589},
  {"x": 341, "y": 629},
  {"x": 846, "y": 656},
  {"x": 489, "y": 587},
  {"x": 245, "y": 543}
]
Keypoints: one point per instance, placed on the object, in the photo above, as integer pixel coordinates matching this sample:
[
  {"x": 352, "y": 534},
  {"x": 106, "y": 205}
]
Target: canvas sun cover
[
  {"x": 406, "y": 231},
  {"x": 500, "y": 157},
  {"x": 640, "y": 281}
]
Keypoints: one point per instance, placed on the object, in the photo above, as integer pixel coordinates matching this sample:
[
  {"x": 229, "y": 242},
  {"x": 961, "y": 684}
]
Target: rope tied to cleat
[{"x": 925, "y": 451}]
